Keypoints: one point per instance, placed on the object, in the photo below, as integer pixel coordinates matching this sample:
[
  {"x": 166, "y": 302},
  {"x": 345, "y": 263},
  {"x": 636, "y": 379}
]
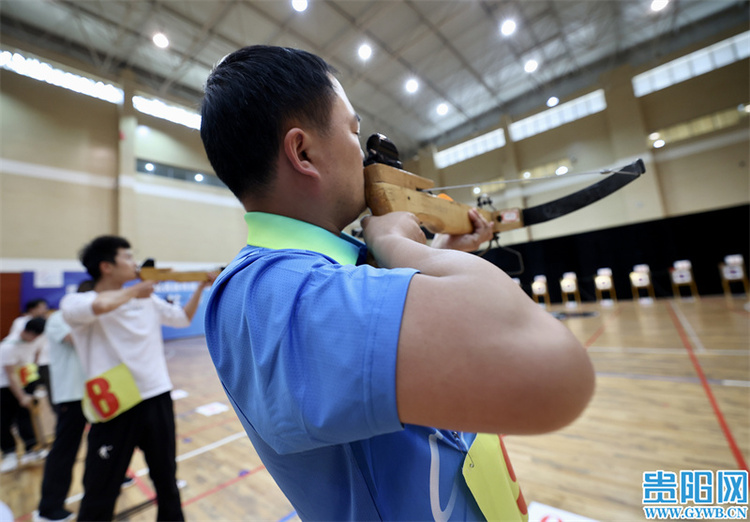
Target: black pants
[
  {"x": 150, "y": 426},
  {"x": 11, "y": 412},
  {"x": 58, "y": 469}
]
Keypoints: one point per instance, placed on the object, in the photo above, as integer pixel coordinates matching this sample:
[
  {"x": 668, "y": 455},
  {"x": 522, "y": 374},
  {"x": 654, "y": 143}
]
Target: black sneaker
[{"x": 56, "y": 516}]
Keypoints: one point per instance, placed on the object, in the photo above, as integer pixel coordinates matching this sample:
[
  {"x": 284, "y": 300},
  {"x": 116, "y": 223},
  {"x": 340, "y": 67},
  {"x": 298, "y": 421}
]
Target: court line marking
[
  {"x": 674, "y": 378},
  {"x": 223, "y": 485},
  {"x": 665, "y": 351},
  {"x": 179, "y": 458},
  {"x": 699, "y": 348},
  {"x": 600, "y": 330},
  {"x": 707, "y": 388}
]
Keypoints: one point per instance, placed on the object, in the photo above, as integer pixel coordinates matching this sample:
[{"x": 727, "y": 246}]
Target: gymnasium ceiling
[{"x": 453, "y": 48}]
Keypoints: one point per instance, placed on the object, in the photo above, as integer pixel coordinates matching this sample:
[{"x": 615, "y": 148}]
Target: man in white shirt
[
  {"x": 116, "y": 331},
  {"x": 34, "y": 308},
  {"x": 16, "y": 356},
  {"x": 67, "y": 383}
]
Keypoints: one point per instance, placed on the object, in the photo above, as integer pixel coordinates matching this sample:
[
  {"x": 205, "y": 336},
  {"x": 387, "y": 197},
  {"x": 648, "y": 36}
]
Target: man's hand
[
  {"x": 402, "y": 224},
  {"x": 466, "y": 242},
  {"x": 26, "y": 400}
]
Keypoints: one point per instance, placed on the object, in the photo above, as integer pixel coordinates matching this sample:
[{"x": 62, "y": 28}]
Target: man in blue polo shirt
[{"x": 361, "y": 388}]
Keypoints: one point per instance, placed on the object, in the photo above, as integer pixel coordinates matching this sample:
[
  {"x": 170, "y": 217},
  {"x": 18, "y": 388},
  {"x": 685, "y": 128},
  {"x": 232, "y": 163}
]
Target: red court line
[
  {"x": 222, "y": 485},
  {"x": 600, "y": 331},
  {"x": 150, "y": 494},
  {"x": 707, "y": 388}
]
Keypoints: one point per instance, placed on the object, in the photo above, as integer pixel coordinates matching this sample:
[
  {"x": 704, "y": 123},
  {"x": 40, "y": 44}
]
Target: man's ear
[
  {"x": 105, "y": 267},
  {"x": 297, "y": 143}
]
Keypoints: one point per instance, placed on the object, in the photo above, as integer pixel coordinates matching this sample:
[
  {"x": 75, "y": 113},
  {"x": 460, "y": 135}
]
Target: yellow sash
[
  {"x": 489, "y": 475},
  {"x": 108, "y": 395},
  {"x": 27, "y": 373}
]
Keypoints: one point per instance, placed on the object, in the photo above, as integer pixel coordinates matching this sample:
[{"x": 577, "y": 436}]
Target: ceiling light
[
  {"x": 45, "y": 72},
  {"x": 299, "y": 5},
  {"x": 159, "y": 109},
  {"x": 442, "y": 109},
  {"x": 477, "y": 190},
  {"x": 142, "y": 130},
  {"x": 199, "y": 177},
  {"x": 149, "y": 167},
  {"x": 654, "y": 136},
  {"x": 531, "y": 66},
  {"x": 552, "y": 101},
  {"x": 412, "y": 85},
  {"x": 659, "y": 144},
  {"x": 526, "y": 175},
  {"x": 658, "y": 5},
  {"x": 160, "y": 40},
  {"x": 508, "y": 27},
  {"x": 365, "y": 51},
  {"x": 561, "y": 170}
]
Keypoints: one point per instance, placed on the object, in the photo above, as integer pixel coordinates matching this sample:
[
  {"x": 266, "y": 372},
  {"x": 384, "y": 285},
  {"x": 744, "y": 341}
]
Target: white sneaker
[
  {"x": 9, "y": 463},
  {"x": 33, "y": 456}
]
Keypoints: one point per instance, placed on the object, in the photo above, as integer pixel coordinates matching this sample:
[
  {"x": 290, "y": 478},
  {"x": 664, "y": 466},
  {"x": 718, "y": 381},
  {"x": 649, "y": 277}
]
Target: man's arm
[
  {"x": 16, "y": 389},
  {"x": 475, "y": 353},
  {"x": 192, "y": 305},
  {"x": 109, "y": 300}
]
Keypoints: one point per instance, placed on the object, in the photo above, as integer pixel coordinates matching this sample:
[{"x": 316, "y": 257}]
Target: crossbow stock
[{"x": 388, "y": 188}]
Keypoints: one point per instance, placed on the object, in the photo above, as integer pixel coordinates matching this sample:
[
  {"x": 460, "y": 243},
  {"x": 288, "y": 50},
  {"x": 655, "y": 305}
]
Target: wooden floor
[{"x": 673, "y": 393}]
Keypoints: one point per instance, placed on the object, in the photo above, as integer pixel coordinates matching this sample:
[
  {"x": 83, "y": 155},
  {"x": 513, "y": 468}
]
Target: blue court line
[{"x": 287, "y": 517}]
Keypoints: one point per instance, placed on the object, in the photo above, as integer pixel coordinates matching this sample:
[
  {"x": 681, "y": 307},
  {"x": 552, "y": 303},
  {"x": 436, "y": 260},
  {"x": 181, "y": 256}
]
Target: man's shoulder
[
  {"x": 256, "y": 261},
  {"x": 75, "y": 298}
]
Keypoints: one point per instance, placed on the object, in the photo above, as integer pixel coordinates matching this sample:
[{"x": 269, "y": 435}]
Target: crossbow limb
[{"x": 388, "y": 188}]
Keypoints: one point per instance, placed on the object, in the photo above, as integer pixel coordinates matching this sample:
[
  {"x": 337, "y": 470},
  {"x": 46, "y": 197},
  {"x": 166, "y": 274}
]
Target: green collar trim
[{"x": 281, "y": 232}]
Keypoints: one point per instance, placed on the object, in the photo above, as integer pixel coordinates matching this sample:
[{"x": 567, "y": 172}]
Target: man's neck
[{"x": 104, "y": 285}]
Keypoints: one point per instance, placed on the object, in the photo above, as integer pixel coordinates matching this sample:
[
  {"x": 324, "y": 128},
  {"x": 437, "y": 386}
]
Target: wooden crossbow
[
  {"x": 388, "y": 188},
  {"x": 149, "y": 272}
]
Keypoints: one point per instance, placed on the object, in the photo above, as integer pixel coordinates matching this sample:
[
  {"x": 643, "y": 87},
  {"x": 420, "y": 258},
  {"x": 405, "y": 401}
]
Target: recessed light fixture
[
  {"x": 364, "y": 52},
  {"x": 552, "y": 101},
  {"x": 412, "y": 85},
  {"x": 477, "y": 190},
  {"x": 142, "y": 130},
  {"x": 526, "y": 175},
  {"x": 659, "y": 144},
  {"x": 160, "y": 40},
  {"x": 508, "y": 27},
  {"x": 149, "y": 167},
  {"x": 199, "y": 177},
  {"x": 530, "y": 66},
  {"x": 442, "y": 109},
  {"x": 299, "y": 5},
  {"x": 658, "y": 5},
  {"x": 561, "y": 170},
  {"x": 654, "y": 136}
]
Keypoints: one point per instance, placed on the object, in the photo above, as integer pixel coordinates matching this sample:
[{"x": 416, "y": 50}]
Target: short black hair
[
  {"x": 103, "y": 248},
  {"x": 30, "y": 305},
  {"x": 85, "y": 286},
  {"x": 250, "y": 97},
  {"x": 35, "y": 325}
]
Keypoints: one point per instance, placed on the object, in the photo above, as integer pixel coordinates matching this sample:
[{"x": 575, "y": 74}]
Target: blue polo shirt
[{"x": 304, "y": 341}]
